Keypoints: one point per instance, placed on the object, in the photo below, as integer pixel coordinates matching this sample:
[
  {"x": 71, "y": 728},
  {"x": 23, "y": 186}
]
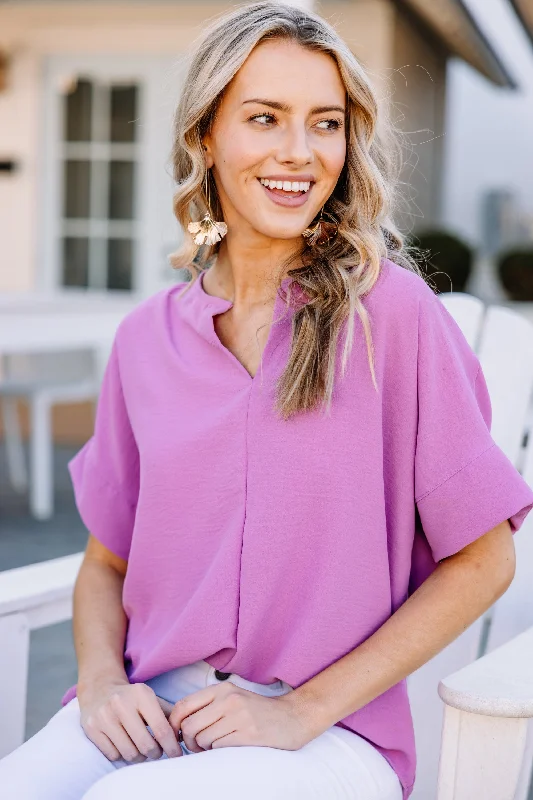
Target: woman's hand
[
  {"x": 224, "y": 715},
  {"x": 114, "y": 717}
]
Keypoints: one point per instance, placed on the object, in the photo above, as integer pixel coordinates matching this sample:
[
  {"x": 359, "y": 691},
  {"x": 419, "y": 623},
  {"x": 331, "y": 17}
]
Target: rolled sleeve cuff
[{"x": 484, "y": 493}]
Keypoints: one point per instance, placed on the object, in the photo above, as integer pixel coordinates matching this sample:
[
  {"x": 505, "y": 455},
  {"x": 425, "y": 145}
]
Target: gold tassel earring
[
  {"x": 322, "y": 231},
  {"x": 207, "y": 231}
]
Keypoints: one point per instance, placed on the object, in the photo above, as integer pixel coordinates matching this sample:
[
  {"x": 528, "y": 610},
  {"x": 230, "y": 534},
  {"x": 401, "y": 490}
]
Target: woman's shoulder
[
  {"x": 409, "y": 311},
  {"x": 400, "y": 305},
  {"x": 405, "y": 285},
  {"x": 401, "y": 296}
]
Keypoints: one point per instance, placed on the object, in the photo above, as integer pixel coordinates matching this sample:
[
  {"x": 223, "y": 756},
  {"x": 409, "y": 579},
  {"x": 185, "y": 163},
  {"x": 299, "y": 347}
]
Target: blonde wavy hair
[{"x": 334, "y": 277}]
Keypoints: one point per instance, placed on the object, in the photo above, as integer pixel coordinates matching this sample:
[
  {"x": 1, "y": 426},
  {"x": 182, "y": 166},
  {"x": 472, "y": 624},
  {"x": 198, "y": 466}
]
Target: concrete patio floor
[{"x": 24, "y": 540}]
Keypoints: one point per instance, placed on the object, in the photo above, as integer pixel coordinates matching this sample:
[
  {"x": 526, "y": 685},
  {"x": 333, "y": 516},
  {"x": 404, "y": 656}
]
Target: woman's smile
[{"x": 288, "y": 190}]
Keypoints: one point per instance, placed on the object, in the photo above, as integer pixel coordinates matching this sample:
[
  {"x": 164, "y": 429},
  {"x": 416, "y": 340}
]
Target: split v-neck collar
[{"x": 198, "y": 308}]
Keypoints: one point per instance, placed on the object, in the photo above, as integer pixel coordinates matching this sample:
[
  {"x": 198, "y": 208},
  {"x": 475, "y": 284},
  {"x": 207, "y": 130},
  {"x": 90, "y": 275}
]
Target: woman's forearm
[
  {"x": 459, "y": 591},
  {"x": 99, "y": 625}
]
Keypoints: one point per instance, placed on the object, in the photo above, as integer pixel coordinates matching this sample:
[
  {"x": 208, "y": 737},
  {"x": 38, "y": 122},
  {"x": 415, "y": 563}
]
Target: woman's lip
[
  {"x": 290, "y": 199},
  {"x": 291, "y": 178}
]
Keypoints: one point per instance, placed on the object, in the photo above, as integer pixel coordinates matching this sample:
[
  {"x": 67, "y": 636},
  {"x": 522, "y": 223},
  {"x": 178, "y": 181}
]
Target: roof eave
[
  {"x": 525, "y": 16},
  {"x": 458, "y": 30},
  {"x": 499, "y": 66}
]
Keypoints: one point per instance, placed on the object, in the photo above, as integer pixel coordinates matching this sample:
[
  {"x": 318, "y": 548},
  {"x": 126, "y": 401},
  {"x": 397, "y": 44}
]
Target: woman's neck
[{"x": 247, "y": 273}]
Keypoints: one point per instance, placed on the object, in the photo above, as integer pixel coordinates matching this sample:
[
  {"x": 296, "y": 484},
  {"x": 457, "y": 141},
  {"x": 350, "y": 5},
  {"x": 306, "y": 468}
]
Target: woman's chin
[{"x": 283, "y": 232}]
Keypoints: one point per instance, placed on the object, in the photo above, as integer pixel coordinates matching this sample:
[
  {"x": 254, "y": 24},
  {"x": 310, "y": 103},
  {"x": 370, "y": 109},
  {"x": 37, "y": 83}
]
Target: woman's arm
[
  {"x": 99, "y": 622},
  {"x": 113, "y": 713},
  {"x": 460, "y": 590}
]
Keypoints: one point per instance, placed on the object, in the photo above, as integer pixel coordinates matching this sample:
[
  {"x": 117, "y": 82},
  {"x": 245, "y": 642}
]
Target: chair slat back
[
  {"x": 468, "y": 311},
  {"x": 513, "y": 613},
  {"x": 506, "y": 355}
]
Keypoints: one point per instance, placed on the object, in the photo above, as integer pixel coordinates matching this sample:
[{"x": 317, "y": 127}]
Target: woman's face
[{"x": 278, "y": 144}]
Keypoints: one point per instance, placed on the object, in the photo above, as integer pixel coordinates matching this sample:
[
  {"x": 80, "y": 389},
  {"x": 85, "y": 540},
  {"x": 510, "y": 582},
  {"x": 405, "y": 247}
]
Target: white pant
[{"x": 61, "y": 763}]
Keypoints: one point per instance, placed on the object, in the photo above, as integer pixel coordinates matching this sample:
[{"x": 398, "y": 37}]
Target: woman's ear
[{"x": 207, "y": 152}]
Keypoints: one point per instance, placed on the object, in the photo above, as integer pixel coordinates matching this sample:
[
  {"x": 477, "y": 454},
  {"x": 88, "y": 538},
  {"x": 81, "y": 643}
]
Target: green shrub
[
  {"x": 445, "y": 259},
  {"x": 515, "y": 270}
]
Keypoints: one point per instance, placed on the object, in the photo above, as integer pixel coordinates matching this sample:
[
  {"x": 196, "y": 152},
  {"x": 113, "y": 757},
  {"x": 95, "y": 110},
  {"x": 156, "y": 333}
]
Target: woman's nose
[{"x": 295, "y": 148}]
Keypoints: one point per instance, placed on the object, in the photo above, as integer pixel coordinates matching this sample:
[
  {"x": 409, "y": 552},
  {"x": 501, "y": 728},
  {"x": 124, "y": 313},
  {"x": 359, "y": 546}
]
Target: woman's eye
[
  {"x": 329, "y": 124},
  {"x": 263, "y": 119}
]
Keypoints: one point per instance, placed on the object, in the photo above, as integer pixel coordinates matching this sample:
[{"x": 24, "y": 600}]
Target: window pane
[
  {"x": 123, "y": 113},
  {"x": 119, "y": 270},
  {"x": 121, "y": 189},
  {"x": 78, "y": 110},
  {"x": 75, "y": 261},
  {"x": 99, "y": 190},
  {"x": 77, "y": 189}
]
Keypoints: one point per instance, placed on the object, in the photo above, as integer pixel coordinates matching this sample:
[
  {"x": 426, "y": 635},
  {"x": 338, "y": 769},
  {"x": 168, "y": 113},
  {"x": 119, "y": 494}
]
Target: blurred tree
[
  {"x": 444, "y": 258},
  {"x": 515, "y": 270}
]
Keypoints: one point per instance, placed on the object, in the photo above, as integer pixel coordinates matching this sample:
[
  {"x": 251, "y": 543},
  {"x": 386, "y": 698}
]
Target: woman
[{"x": 279, "y": 536}]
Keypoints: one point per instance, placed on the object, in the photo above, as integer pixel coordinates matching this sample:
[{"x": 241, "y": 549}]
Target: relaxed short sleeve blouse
[{"x": 272, "y": 548}]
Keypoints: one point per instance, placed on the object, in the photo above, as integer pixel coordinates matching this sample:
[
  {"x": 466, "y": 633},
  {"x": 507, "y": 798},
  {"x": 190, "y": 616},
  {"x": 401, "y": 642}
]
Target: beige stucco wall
[
  {"x": 368, "y": 28},
  {"x": 19, "y": 141},
  {"x": 419, "y": 79},
  {"x": 407, "y": 66}
]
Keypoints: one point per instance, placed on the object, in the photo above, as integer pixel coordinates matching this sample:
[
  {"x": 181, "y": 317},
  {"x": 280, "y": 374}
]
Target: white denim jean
[{"x": 61, "y": 763}]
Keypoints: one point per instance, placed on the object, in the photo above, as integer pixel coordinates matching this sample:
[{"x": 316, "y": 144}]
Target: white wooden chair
[
  {"x": 506, "y": 354},
  {"x": 30, "y": 597},
  {"x": 503, "y": 341},
  {"x": 487, "y": 726},
  {"x": 513, "y": 613}
]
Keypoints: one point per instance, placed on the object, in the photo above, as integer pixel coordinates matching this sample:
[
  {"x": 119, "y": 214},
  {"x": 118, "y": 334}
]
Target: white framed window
[
  {"x": 99, "y": 163},
  {"x": 105, "y": 206}
]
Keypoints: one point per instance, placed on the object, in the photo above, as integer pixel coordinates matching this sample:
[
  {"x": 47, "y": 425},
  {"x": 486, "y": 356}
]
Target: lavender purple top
[{"x": 270, "y": 548}]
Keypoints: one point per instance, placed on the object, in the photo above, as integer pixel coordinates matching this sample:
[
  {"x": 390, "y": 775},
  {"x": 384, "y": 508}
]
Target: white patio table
[{"x": 60, "y": 353}]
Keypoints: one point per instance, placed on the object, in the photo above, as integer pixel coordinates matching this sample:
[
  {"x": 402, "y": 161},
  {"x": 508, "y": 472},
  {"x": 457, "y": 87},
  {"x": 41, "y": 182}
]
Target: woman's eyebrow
[
  {"x": 287, "y": 109},
  {"x": 270, "y": 103},
  {"x": 327, "y": 109}
]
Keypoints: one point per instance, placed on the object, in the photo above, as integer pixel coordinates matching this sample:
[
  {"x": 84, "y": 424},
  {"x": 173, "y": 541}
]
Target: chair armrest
[
  {"x": 498, "y": 685},
  {"x": 42, "y": 591},
  {"x": 30, "y": 597},
  {"x": 485, "y": 748}
]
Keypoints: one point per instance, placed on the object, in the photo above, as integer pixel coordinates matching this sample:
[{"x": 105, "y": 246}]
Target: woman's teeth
[{"x": 287, "y": 186}]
